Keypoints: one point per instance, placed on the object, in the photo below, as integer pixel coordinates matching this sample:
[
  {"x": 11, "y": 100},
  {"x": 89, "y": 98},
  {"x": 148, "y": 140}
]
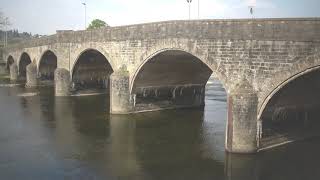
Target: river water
[{"x": 47, "y": 137}]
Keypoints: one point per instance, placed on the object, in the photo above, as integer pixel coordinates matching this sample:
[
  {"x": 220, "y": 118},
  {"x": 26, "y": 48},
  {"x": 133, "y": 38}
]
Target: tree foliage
[
  {"x": 1, "y": 19},
  {"x": 97, "y": 23},
  {"x": 4, "y": 21}
]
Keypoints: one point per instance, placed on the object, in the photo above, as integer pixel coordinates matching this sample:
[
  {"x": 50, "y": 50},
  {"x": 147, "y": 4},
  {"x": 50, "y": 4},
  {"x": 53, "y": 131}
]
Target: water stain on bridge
[{"x": 48, "y": 137}]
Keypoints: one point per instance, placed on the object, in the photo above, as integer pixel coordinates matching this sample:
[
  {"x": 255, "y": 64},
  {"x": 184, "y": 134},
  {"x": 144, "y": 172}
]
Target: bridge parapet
[{"x": 295, "y": 29}]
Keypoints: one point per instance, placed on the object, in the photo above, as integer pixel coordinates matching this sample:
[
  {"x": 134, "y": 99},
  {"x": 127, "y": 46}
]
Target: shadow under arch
[
  {"x": 290, "y": 111},
  {"x": 91, "y": 70},
  {"x": 23, "y": 62},
  {"x": 47, "y": 65},
  {"x": 147, "y": 57},
  {"x": 10, "y": 61},
  {"x": 283, "y": 84},
  {"x": 168, "y": 79}
]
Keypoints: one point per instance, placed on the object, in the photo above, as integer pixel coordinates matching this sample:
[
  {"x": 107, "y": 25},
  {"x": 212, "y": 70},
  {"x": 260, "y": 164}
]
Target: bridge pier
[
  {"x": 242, "y": 122},
  {"x": 3, "y": 68},
  {"x": 241, "y": 166},
  {"x": 31, "y": 73},
  {"x": 14, "y": 72},
  {"x": 120, "y": 98},
  {"x": 62, "y": 82}
]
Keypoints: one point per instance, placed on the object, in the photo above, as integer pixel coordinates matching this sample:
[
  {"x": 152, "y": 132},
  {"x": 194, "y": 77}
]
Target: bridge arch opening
[
  {"x": 25, "y": 60},
  {"x": 171, "y": 79},
  {"x": 91, "y": 71},
  {"x": 10, "y": 61},
  {"x": 292, "y": 110},
  {"x": 47, "y": 66}
]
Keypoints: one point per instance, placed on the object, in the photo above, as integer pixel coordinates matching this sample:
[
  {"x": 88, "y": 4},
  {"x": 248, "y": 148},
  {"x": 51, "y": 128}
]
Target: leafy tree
[
  {"x": 2, "y": 19},
  {"x": 97, "y": 23}
]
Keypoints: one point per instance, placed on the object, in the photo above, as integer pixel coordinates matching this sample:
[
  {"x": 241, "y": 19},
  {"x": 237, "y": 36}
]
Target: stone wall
[
  {"x": 2, "y": 63},
  {"x": 2, "y": 54},
  {"x": 298, "y": 29},
  {"x": 264, "y": 51}
]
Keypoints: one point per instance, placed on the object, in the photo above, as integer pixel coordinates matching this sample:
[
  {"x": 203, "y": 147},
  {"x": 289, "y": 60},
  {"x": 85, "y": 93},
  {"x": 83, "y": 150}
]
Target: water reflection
[
  {"x": 241, "y": 167},
  {"x": 47, "y": 137}
]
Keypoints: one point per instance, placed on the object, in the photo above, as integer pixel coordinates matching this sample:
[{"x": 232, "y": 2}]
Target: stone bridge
[{"x": 268, "y": 68}]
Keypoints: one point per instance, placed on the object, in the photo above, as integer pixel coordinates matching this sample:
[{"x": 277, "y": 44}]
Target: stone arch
[
  {"x": 273, "y": 85},
  {"x": 45, "y": 51},
  {"x": 170, "y": 78},
  {"x": 290, "y": 107},
  {"x": 10, "y": 60},
  {"x": 200, "y": 56},
  {"x": 23, "y": 62},
  {"x": 77, "y": 52},
  {"x": 47, "y": 65},
  {"x": 91, "y": 70},
  {"x": 282, "y": 85}
]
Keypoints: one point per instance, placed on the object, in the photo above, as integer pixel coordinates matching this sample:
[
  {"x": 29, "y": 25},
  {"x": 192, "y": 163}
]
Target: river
[{"x": 47, "y": 137}]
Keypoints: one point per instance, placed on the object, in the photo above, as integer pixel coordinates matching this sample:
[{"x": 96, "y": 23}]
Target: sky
[{"x": 46, "y": 16}]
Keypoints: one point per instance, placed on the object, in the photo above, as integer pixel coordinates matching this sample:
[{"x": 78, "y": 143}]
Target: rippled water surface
[{"x": 47, "y": 137}]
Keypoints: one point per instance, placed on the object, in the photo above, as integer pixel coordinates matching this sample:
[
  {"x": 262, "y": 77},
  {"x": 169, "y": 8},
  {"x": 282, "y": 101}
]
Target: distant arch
[
  {"x": 23, "y": 62},
  {"x": 10, "y": 61},
  {"x": 47, "y": 65}
]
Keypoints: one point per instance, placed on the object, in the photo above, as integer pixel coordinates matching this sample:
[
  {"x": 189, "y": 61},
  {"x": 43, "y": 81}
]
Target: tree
[
  {"x": 4, "y": 21},
  {"x": 1, "y": 19},
  {"x": 97, "y": 23}
]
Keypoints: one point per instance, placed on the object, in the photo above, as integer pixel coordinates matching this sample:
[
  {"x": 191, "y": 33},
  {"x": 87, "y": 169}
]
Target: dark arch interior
[
  {"x": 171, "y": 78},
  {"x": 294, "y": 109},
  {"x": 92, "y": 71},
  {"x": 24, "y": 61},
  {"x": 10, "y": 61},
  {"x": 48, "y": 64}
]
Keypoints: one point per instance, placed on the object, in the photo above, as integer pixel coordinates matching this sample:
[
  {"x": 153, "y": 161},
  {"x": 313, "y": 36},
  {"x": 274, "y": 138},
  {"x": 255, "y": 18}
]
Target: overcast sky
[{"x": 46, "y": 16}]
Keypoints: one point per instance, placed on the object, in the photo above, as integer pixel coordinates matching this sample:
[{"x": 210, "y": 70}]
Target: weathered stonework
[
  {"x": 62, "y": 82},
  {"x": 257, "y": 49},
  {"x": 32, "y": 79},
  {"x": 14, "y": 72},
  {"x": 120, "y": 100},
  {"x": 268, "y": 53},
  {"x": 241, "y": 132},
  {"x": 2, "y": 68}
]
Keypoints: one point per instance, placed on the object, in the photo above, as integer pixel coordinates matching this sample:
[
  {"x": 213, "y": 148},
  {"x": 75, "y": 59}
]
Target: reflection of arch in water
[
  {"x": 81, "y": 131},
  {"x": 154, "y": 143},
  {"x": 239, "y": 167},
  {"x": 91, "y": 120}
]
